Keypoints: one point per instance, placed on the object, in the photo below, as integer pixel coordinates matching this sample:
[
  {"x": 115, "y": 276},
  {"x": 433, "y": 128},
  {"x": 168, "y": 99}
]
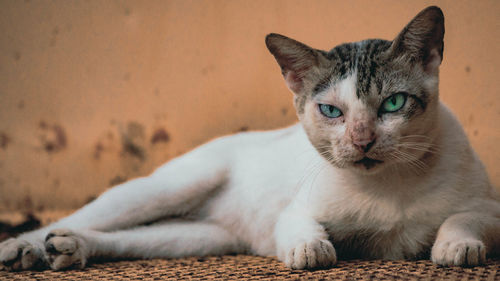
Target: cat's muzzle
[{"x": 367, "y": 162}]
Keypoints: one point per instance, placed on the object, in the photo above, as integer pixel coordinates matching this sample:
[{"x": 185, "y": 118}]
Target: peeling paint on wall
[
  {"x": 117, "y": 180},
  {"x": 98, "y": 94},
  {"x": 132, "y": 139},
  {"x": 159, "y": 136},
  {"x": 4, "y": 140},
  {"x": 52, "y": 137}
]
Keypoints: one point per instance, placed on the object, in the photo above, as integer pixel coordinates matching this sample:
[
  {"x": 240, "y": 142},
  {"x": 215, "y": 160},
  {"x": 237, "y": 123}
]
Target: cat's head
[{"x": 369, "y": 104}]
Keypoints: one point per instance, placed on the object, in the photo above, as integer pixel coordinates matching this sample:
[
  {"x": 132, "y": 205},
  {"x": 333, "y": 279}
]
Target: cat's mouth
[{"x": 368, "y": 163}]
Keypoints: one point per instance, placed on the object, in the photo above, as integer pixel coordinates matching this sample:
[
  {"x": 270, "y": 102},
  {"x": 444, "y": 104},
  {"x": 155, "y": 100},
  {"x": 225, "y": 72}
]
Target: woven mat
[
  {"x": 258, "y": 268},
  {"x": 241, "y": 267}
]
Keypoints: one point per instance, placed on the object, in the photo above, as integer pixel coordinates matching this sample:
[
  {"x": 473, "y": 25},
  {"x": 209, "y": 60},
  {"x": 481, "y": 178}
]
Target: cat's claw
[
  {"x": 64, "y": 249},
  {"x": 18, "y": 254},
  {"x": 467, "y": 252},
  {"x": 311, "y": 254}
]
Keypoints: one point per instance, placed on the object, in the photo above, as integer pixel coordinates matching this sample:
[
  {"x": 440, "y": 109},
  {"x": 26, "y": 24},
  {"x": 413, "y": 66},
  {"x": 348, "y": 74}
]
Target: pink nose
[
  {"x": 364, "y": 145},
  {"x": 362, "y": 134}
]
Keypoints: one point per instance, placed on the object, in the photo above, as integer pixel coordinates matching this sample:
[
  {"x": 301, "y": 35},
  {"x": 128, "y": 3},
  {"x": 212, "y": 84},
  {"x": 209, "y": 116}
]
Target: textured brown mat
[{"x": 258, "y": 268}]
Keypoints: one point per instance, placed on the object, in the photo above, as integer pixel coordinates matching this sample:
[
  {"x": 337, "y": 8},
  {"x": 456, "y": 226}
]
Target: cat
[{"x": 377, "y": 168}]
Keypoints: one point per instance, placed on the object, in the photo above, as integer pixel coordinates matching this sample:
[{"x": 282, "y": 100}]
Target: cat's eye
[
  {"x": 329, "y": 111},
  {"x": 394, "y": 102}
]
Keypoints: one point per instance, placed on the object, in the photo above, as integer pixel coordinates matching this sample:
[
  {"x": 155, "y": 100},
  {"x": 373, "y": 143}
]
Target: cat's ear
[
  {"x": 422, "y": 39},
  {"x": 295, "y": 59}
]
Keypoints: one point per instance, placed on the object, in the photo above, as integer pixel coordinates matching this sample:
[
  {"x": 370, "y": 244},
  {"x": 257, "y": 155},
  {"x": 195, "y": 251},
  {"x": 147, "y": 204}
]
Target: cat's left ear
[
  {"x": 297, "y": 61},
  {"x": 422, "y": 39}
]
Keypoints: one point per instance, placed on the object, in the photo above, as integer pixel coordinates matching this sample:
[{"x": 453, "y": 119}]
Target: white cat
[{"x": 376, "y": 168}]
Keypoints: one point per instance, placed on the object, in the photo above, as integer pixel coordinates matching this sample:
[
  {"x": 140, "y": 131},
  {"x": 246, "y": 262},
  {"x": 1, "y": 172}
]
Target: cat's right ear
[
  {"x": 295, "y": 59},
  {"x": 422, "y": 39}
]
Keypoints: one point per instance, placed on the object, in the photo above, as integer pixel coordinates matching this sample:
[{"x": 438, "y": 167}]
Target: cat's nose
[
  {"x": 364, "y": 145},
  {"x": 362, "y": 134}
]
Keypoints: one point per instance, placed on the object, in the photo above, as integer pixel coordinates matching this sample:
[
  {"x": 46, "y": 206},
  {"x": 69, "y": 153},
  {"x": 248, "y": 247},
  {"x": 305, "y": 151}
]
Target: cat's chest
[
  {"x": 357, "y": 237},
  {"x": 374, "y": 245},
  {"x": 361, "y": 226}
]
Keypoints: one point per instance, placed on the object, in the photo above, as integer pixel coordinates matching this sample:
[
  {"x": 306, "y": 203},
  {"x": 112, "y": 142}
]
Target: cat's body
[{"x": 385, "y": 175}]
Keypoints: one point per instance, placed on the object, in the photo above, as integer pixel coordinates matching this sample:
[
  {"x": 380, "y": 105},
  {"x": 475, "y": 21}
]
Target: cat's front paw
[
  {"x": 18, "y": 254},
  {"x": 312, "y": 254},
  {"x": 65, "y": 249},
  {"x": 466, "y": 252}
]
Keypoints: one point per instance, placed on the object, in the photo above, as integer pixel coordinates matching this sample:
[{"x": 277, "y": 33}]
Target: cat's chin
[{"x": 368, "y": 166}]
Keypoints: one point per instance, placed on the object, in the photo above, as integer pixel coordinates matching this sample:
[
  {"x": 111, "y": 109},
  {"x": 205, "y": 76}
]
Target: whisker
[
  {"x": 415, "y": 136},
  {"x": 420, "y": 148},
  {"x": 411, "y": 160},
  {"x": 420, "y": 144},
  {"x": 417, "y": 162}
]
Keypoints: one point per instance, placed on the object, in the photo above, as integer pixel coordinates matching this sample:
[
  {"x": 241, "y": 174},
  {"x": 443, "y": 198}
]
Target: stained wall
[{"x": 93, "y": 93}]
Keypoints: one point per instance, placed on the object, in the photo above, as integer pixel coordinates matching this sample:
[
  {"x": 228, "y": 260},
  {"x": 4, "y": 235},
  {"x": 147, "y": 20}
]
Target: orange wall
[{"x": 96, "y": 92}]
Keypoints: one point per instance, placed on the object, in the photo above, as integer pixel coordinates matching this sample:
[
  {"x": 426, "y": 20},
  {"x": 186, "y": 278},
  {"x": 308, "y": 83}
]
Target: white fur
[{"x": 271, "y": 194}]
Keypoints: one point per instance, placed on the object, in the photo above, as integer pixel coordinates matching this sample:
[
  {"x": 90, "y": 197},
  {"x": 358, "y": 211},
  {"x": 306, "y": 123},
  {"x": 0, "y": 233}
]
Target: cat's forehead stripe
[
  {"x": 361, "y": 58},
  {"x": 368, "y": 64}
]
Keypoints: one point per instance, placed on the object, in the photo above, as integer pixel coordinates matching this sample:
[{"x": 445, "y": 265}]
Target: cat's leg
[
  {"x": 302, "y": 242},
  {"x": 172, "y": 190},
  {"x": 464, "y": 239},
  {"x": 67, "y": 248}
]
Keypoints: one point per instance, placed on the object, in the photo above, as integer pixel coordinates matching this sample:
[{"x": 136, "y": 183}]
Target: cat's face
[
  {"x": 369, "y": 104},
  {"x": 366, "y": 129}
]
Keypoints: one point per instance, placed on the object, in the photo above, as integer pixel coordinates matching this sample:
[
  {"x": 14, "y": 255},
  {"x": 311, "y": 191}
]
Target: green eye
[
  {"x": 329, "y": 111},
  {"x": 394, "y": 102}
]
